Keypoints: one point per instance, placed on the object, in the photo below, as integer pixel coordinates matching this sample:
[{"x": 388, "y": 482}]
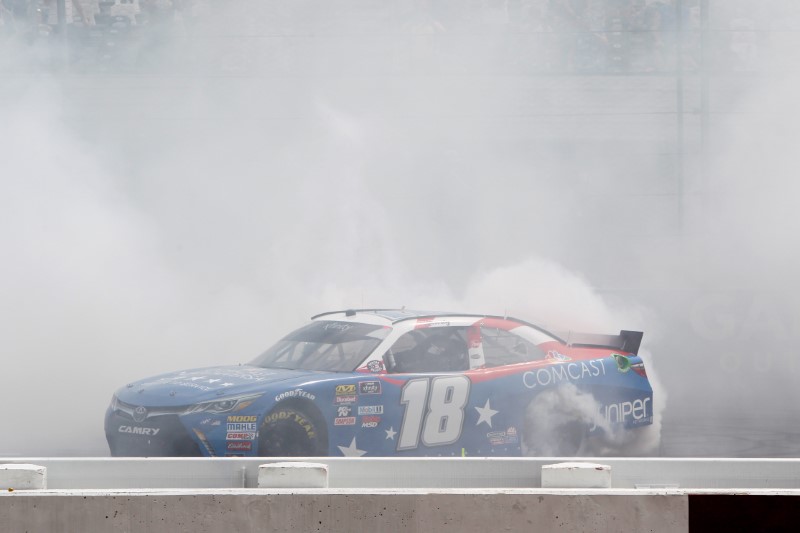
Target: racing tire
[
  {"x": 570, "y": 438},
  {"x": 557, "y": 423},
  {"x": 291, "y": 432}
]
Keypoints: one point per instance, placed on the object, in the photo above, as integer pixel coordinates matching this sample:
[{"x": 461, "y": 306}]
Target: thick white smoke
[
  {"x": 289, "y": 158},
  {"x": 550, "y": 295}
]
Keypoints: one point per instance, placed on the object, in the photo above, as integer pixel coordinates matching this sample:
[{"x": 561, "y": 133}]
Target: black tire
[
  {"x": 557, "y": 423},
  {"x": 290, "y": 432},
  {"x": 571, "y": 438}
]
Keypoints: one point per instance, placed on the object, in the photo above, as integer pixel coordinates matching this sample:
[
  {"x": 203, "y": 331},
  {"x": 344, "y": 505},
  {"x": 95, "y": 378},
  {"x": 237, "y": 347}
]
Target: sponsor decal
[
  {"x": 238, "y": 426},
  {"x": 239, "y": 446},
  {"x": 553, "y": 375},
  {"x": 370, "y": 410},
  {"x": 503, "y": 438},
  {"x": 207, "y": 381},
  {"x": 375, "y": 366},
  {"x": 242, "y": 418},
  {"x": 345, "y": 389},
  {"x": 297, "y": 393},
  {"x": 136, "y": 430},
  {"x": 634, "y": 413},
  {"x": 336, "y": 326},
  {"x": 553, "y": 355},
  {"x": 369, "y": 387},
  {"x": 370, "y": 421},
  {"x": 296, "y": 417},
  {"x": 345, "y": 399},
  {"x": 210, "y": 376},
  {"x": 205, "y": 421},
  {"x": 430, "y": 323},
  {"x": 347, "y": 421},
  {"x": 343, "y": 410},
  {"x": 240, "y": 436},
  {"x": 623, "y": 363},
  {"x": 496, "y": 438},
  {"x": 139, "y": 414}
]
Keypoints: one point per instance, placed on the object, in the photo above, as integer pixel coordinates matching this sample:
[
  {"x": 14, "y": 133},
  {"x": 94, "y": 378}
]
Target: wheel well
[{"x": 312, "y": 411}]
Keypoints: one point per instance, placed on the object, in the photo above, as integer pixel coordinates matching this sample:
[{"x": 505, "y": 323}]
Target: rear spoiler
[{"x": 626, "y": 341}]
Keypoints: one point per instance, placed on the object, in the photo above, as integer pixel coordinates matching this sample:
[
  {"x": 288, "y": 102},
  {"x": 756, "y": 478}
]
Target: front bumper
[{"x": 159, "y": 435}]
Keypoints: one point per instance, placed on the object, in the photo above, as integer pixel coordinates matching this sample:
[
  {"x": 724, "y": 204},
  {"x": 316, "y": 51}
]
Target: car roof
[
  {"x": 390, "y": 315},
  {"x": 393, "y": 316}
]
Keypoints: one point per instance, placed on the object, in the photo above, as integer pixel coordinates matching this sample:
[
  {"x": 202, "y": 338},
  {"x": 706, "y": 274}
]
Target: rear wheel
[
  {"x": 290, "y": 432},
  {"x": 570, "y": 438},
  {"x": 557, "y": 423}
]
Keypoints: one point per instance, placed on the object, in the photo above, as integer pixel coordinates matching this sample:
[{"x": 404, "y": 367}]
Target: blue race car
[{"x": 395, "y": 383}]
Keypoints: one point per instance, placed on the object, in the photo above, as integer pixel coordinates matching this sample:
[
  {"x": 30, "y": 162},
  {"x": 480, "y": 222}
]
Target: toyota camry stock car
[{"x": 394, "y": 383}]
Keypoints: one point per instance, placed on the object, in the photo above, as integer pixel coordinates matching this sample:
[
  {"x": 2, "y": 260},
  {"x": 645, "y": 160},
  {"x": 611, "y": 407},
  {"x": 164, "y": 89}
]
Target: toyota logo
[{"x": 139, "y": 414}]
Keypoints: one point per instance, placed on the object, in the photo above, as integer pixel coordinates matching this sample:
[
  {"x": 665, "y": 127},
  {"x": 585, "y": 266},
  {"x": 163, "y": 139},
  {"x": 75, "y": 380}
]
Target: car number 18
[{"x": 435, "y": 409}]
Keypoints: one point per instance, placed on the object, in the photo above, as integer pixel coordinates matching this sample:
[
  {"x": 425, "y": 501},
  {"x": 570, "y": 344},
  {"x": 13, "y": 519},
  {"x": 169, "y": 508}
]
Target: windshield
[{"x": 324, "y": 345}]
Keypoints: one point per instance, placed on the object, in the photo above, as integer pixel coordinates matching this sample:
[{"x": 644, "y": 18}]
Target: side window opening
[
  {"x": 440, "y": 349},
  {"x": 501, "y": 347}
]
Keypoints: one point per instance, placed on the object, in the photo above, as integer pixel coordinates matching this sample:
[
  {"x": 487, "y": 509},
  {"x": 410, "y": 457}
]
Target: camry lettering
[{"x": 136, "y": 430}]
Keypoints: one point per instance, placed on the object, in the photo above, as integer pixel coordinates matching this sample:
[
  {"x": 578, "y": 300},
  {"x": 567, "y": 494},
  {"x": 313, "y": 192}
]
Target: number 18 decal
[{"x": 434, "y": 408}]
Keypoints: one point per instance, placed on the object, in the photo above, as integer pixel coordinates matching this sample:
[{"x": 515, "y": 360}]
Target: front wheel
[{"x": 290, "y": 432}]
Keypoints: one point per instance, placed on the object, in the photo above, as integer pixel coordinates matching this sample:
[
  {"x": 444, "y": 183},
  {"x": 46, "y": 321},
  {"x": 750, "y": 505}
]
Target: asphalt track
[
  {"x": 745, "y": 436},
  {"x": 742, "y": 436}
]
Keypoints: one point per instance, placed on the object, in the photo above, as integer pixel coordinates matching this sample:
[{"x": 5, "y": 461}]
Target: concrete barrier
[
  {"x": 22, "y": 477},
  {"x": 344, "y": 510},
  {"x": 576, "y": 475},
  {"x": 411, "y": 473},
  {"x": 295, "y": 475}
]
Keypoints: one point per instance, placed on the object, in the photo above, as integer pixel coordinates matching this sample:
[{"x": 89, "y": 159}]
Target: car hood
[{"x": 187, "y": 387}]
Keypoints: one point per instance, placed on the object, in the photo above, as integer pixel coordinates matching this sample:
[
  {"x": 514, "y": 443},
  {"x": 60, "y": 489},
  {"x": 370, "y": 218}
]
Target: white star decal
[
  {"x": 352, "y": 450},
  {"x": 485, "y": 414},
  {"x": 390, "y": 433}
]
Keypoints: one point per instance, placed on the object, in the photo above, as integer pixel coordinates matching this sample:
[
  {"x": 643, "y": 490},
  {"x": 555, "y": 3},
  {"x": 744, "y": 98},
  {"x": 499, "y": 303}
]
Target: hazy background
[{"x": 182, "y": 192}]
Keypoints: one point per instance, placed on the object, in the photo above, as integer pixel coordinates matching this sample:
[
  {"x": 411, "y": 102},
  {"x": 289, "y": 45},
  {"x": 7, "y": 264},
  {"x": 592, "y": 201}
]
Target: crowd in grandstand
[{"x": 528, "y": 35}]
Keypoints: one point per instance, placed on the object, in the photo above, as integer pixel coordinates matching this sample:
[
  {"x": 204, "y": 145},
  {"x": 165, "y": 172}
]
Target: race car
[{"x": 395, "y": 382}]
